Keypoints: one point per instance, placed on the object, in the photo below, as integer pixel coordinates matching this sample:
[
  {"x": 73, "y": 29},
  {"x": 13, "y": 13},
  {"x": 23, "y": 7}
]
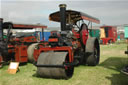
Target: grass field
[{"x": 107, "y": 72}]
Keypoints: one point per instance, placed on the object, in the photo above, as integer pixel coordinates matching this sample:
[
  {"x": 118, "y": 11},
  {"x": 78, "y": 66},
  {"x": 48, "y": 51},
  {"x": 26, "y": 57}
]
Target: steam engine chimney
[{"x": 63, "y": 16}]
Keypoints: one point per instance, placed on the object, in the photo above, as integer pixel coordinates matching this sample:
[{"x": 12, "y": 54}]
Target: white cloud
[
  {"x": 62, "y": 0},
  {"x": 109, "y": 12}
]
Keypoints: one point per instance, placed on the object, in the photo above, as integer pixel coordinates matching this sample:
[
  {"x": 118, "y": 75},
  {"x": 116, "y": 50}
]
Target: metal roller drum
[
  {"x": 30, "y": 52},
  {"x": 52, "y": 59}
]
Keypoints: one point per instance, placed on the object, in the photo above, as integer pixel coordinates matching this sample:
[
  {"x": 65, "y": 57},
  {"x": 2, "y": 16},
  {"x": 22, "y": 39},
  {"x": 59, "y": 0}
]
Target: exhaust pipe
[
  {"x": 63, "y": 16},
  {"x": 1, "y": 29}
]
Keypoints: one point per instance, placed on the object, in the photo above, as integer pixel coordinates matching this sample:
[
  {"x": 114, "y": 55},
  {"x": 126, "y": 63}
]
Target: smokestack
[
  {"x": 63, "y": 16},
  {"x": 1, "y": 29}
]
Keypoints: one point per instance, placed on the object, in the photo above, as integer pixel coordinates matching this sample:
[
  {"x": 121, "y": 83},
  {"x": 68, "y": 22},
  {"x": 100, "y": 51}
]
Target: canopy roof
[
  {"x": 28, "y": 26},
  {"x": 74, "y": 16},
  {"x": 24, "y": 26},
  {"x": 107, "y": 26}
]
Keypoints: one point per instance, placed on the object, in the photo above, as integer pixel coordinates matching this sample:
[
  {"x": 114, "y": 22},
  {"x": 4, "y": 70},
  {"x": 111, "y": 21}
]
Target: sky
[{"x": 109, "y": 12}]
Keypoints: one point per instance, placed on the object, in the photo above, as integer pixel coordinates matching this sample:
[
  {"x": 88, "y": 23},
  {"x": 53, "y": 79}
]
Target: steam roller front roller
[
  {"x": 30, "y": 52},
  {"x": 51, "y": 65}
]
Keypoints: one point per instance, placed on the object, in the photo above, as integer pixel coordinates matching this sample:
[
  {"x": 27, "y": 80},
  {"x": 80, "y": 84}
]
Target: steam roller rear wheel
[
  {"x": 54, "y": 58},
  {"x": 30, "y": 52},
  {"x": 92, "y": 52}
]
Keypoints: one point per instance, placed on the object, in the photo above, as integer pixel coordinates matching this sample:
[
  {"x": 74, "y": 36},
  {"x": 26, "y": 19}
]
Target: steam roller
[
  {"x": 69, "y": 47},
  {"x": 14, "y": 47}
]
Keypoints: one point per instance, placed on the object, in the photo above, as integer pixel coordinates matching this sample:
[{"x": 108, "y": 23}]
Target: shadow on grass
[
  {"x": 38, "y": 76},
  {"x": 116, "y": 64},
  {"x": 118, "y": 79}
]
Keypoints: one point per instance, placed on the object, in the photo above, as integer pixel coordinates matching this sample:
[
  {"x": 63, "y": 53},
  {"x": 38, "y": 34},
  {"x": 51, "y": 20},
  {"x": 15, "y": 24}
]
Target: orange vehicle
[
  {"x": 15, "y": 48},
  {"x": 108, "y": 34},
  {"x": 70, "y": 47}
]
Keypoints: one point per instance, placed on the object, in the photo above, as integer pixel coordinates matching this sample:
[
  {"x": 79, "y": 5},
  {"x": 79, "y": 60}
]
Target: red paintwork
[
  {"x": 75, "y": 45},
  {"x": 16, "y": 45},
  {"x": 45, "y": 49},
  {"x": 21, "y": 53},
  {"x": 21, "y": 49},
  {"x": 85, "y": 34},
  {"x": 26, "y": 39},
  {"x": 76, "y": 34},
  {"x": 53, "y": 40},
  {"x": 112, "y": 34},
  {"x": 90, "y": 19},
  {"x": 28, "y": 26}
]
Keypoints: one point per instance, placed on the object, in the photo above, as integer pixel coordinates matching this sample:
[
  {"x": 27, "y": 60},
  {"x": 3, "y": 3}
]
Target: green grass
[{"x": 107, "y": 72}]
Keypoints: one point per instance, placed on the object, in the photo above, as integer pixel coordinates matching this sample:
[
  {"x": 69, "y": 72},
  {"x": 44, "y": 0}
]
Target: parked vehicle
[
  {"x": 108, "y": 34},
  {"x": 69, "y": 47},
  {"x": 15, "y": 48}
]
